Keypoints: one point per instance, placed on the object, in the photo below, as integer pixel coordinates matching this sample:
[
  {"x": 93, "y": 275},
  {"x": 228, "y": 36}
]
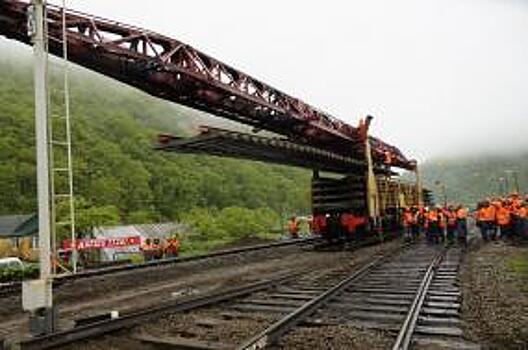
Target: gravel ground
[
  {"x": 214, "y": 324},
  {"x": 495, "y": 300},
  {"x": 87, "y": 289},
  {"x": 336, "y": 337},
  {"x": 121, "y": 291}
]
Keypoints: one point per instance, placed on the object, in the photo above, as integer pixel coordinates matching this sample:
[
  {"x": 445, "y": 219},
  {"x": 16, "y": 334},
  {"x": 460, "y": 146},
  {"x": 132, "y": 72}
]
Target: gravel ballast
[{"x": 495, "y": 296}]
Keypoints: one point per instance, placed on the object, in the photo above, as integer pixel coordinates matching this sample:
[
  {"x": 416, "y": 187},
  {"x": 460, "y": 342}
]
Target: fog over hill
[{"x": 472, "y": 177}]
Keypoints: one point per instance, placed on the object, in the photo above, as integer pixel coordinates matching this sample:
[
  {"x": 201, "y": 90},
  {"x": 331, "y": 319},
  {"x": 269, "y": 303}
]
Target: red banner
[{"x": 98, "y": 243}]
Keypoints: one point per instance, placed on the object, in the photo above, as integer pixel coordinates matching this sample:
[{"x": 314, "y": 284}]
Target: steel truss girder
[{"x": 172, "y": 70}]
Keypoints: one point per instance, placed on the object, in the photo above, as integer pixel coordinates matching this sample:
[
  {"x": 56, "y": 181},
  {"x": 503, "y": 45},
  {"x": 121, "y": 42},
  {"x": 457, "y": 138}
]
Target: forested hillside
[
  {"x": 118, "y": 175},
  {"x": 469, "y": 179}
]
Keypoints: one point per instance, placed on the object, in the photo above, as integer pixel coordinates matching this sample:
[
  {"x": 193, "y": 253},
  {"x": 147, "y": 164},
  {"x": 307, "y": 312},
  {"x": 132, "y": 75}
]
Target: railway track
[
  {"x": 434, "y": 317},
  {"x": 267, "y": 300},
  {"x": 415, "y": 294},
  {"x": 412, "y": 295},
  {"x": 15, "y": 288},
  {"x": 376, "y": 293}
]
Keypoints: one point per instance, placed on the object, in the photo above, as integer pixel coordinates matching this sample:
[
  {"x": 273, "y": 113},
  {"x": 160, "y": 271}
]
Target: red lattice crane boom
[{"x": 172, "y": 70}]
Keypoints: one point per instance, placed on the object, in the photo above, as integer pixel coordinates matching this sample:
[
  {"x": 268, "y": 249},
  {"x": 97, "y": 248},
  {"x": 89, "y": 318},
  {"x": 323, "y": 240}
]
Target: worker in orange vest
[
  {"x": 319, "y": 224},
  {"x": 431, "y": 219},
  {"x": 348, "y": 224},
  {"x": 450, "y": 216},
  {"x": 407, "y": 219},
  {"x": 420, "y": 217},
  {"x": 520, "y": 214},
  {"x": 503, "y": 220},
  {"x": 479, "y": 218},
  {"x": 415, "y": 223},
  {"x": 489, "y": 226},
  {"x": 293, "y": 227},
  {"x": 461, "y": 224},
  {"x": 441, "y": 223}
]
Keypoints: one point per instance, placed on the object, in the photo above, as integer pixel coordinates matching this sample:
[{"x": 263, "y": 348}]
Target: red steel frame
[{"x": 172, "y": 70}]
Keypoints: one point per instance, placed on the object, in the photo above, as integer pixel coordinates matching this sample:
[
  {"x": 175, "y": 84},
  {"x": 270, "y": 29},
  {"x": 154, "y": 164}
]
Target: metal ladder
[{"x": 60, "y": 154}]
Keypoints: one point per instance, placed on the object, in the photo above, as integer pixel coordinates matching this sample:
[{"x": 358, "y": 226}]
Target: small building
[{"x": 18, "y": 235}]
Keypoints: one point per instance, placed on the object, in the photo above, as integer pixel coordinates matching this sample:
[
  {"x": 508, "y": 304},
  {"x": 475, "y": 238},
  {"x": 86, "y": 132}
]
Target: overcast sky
[{"x": 440, "y": 76}]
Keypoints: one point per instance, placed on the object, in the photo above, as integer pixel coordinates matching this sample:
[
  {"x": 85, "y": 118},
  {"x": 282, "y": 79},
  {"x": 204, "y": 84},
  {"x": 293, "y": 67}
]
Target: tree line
[{"x": 118, "y": 176}]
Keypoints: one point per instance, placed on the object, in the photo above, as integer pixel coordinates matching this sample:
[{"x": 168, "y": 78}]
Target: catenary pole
[{"x": 41, "y": 130}]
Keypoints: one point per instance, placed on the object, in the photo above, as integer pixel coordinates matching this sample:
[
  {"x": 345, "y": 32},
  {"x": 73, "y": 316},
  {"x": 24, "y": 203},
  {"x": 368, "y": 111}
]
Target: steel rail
[
  {"x": 135, "y": 318},
  {"x": 16, "y": 286},
  {"x": 273, "y": 333},
  {"x": 9, "y": 289},
  {"x": 403, "y": 340},
  {"x": 177, "y": 260}
]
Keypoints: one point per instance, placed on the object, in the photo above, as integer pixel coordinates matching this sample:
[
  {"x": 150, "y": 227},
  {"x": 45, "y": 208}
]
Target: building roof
[{"x": 18, "y": 225}]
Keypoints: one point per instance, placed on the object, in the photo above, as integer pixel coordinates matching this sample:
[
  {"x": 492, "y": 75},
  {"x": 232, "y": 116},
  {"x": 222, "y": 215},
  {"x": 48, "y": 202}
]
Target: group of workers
[
  {"x": 503, "y": 217},
  {"x": 438, "y": 223}
]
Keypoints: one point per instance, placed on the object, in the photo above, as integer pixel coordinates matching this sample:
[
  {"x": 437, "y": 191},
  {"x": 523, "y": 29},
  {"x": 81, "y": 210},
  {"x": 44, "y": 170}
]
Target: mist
[{"x": 442, "y": 78}]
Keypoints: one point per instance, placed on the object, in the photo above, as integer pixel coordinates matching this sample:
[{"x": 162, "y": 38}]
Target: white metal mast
[
  {"x": 37, "y": 295},
  {"x": 41, "y": 130}
]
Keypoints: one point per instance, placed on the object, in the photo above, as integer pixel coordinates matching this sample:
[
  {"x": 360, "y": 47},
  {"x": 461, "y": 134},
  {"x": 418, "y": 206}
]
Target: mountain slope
[
  {"x": 470, "y": 179},
  {"x": 114, "y": 128}
]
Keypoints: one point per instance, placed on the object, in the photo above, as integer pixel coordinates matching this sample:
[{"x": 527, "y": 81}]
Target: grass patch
[
  {"x": 270, "y": 235},
  {"x": 519, "y": 265},
  {"x": 195, "y": 245}
]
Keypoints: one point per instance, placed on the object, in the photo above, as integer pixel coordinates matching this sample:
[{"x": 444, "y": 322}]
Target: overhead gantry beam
[{"x": 175, "y": 71}]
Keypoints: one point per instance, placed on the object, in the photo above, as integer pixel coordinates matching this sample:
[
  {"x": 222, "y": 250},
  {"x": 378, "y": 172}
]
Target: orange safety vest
[
  {"x": 432, "y": 215},
  {"x": 503, "y": 216},
  {"x": 407, "y": 218},
  {"x": 451, "y": 218},
  {"x": 461, "y": 213},
  {"x": 489, "y": 213},
  {"x": 441, "y": 220},
  {"x": 292, "y": 226}
]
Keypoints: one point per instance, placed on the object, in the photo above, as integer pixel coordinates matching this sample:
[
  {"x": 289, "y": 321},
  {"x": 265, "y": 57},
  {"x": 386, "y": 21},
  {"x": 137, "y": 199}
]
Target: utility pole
[
  {"x": 37, "y": 297},
  {"x": 503, "y": 186},
  {"x": 515, "y": 179},
  {"x": 442, "y": 188}
]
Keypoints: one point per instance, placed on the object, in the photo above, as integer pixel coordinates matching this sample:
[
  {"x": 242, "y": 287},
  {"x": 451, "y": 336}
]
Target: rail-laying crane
[{"x": 174, "y": 71}]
